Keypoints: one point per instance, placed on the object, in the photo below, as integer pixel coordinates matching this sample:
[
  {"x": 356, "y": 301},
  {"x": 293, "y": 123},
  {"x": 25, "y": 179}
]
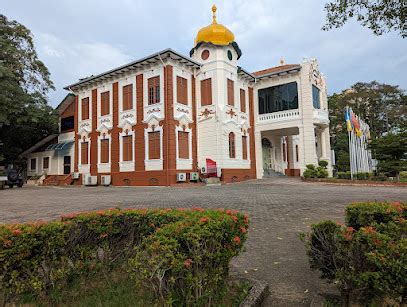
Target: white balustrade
[{"x": 280, "y": 116}]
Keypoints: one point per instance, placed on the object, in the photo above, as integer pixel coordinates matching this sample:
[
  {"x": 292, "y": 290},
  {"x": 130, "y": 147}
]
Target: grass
[{"x": 117, "y": 289}]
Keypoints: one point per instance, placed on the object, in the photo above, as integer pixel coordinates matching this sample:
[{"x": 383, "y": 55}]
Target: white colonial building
[{"x": 146, "y": 122}]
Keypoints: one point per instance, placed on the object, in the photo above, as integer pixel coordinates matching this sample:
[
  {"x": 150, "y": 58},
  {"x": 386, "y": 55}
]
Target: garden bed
[
  {"x": 355, "y": 182},
  {"x": 165, "y": 256}
]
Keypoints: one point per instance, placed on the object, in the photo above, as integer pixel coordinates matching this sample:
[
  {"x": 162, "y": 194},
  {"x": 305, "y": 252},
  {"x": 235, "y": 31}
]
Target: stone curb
[
  {"x": 355, "y": 183},
  {"x": 257, "y": 294}
]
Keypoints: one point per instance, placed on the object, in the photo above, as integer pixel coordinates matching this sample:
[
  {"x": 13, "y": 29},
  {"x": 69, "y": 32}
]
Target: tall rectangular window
[
  {"x": 154, "y": 90},
  {"x": 296, "y": 153},
  {"x": 104, "y": 103},
  {"x": 231, "y": 93},
  {"x": 316, "y": 97},
  {"x": 278, "y": 98},
  {"x": 232, "y": 148},
  {"x": 104, "y": 151},
  {"x": 206, "y": 92},
  {"x": 244, "y": 147},
  {"x": 127, "y": 146},
  {"x": 33, "y": 164},
  {"x": 128, "y": 97},
  {"x": 84, "y": 153},
  {"x": 182, "y": 90},
  {"x": 85, "y": 108},
  {"x": 183, "y": 145},
  {"x": 242, "y": 100},
  {"x": 45, "y": 163},
  {"x": 154, "y": 143}
]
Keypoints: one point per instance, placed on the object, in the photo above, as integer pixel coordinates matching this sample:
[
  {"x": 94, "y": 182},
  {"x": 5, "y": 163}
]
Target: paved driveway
[{"x": 279, "y": 209}]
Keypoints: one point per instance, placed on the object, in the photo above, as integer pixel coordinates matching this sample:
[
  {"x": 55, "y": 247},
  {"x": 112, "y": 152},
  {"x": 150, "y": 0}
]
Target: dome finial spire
[{"x": 214, "y": 13}]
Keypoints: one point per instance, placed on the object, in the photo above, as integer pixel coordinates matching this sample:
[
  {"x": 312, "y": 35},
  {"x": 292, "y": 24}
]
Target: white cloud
[{"x": 80, "y": 38}]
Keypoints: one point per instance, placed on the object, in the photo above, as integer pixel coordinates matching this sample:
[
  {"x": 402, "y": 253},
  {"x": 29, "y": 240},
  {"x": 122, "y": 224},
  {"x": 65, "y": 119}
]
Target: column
[{"x": 259, "y": 155}]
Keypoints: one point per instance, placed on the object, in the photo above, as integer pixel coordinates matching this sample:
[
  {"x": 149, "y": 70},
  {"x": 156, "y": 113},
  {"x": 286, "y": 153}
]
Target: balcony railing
[
  {"x": 321, "y": 116},
  {"x": 280, "y": 116}
]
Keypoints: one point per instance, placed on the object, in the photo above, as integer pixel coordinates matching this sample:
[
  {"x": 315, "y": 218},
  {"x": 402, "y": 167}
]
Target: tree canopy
[
  {"x": 381, "y": 16},
  {"x": 391, "y": 152},
  {"x": 25, "y": 116}
]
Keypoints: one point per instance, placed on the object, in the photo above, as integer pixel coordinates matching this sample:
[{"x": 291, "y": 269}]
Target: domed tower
[{"x": 222, "y": 98}]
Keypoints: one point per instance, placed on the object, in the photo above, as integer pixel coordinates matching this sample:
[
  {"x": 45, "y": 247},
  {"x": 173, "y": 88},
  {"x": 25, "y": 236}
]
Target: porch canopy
[{"x": 59, "y": 146}]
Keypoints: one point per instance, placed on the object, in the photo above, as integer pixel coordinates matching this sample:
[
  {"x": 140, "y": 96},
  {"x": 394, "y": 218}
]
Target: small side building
[{"x": 53, "y": 156}]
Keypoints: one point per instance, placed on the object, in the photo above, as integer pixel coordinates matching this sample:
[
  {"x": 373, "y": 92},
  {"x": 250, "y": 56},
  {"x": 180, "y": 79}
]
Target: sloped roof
[
  {"x": 276, "y": 70},
  {"x": 156, "y": 57},
  {"x": 38, "y": 145}
]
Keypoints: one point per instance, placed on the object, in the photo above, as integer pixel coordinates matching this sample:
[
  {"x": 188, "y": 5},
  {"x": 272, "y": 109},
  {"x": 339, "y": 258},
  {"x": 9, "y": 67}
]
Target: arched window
[{"x": 232, "y": 149}]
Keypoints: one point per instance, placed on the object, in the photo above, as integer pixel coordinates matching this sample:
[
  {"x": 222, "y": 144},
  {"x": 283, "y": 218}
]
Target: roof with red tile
[{"x": 276, "y": 69}]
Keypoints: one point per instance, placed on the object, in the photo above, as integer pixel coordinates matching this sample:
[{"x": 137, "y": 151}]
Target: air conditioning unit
[
  {"x": 203, "y": 169},
  {"x": 106, "y": 180},
  {"x": 90, "y": 180},
  {"x": 181, "y": 177},
  {"x": 194, "y": 176},
  {"x": 75, "y": 175}
]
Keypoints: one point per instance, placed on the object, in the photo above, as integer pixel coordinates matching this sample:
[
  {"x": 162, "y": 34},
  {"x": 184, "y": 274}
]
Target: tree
[
  {"x": 391, "y": 152},
  {"x": 381, "y": 16},
  {"x": 382, "y": 106},
  {"x": 25, "y": 116}
]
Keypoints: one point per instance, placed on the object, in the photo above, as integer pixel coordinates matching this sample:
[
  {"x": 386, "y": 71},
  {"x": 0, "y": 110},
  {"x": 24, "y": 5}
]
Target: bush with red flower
[
  {"x": 367, "y": 257},
  {"x": 179, "y": 253}
]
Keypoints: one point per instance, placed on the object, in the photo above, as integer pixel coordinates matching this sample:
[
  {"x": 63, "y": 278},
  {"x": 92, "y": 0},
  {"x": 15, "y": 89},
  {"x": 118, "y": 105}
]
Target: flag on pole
[
  {"x": 347, "y": 120},
  {"x": 355, "y": 123}
]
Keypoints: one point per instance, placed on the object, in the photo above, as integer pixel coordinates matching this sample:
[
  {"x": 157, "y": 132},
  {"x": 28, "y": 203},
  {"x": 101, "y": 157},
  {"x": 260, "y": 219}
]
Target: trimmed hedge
[
  {"x": 366, "y": 257},
  {"x": 183, "y": 255},
  {"x": 316, "y": 172}
]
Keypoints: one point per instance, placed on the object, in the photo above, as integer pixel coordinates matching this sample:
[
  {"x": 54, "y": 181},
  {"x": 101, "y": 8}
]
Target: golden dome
[{"x": 215, "y": 33}]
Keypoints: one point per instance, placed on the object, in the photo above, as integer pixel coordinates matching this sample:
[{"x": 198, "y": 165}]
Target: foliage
[
  {"x": 366, "y": 258},
  {"x": 175, "y": 247},
  {"x": 380, "y": 16},
  {"x": 383, "y": 106},
  {"x": 323, "y": 164},
  {"x": 25, "y": 117},
  {"x": 391, "y": 152},
  {"x": 316, "y": 172}
]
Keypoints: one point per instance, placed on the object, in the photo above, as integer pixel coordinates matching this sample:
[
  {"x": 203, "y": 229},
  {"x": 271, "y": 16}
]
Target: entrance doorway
[
  {"x": 268, "y": 156},
  {"x": 67, "y": 165}
]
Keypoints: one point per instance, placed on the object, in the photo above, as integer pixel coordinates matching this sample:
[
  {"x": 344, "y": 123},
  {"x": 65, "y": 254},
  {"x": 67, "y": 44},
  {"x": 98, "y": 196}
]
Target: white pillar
[{"x": 259, "y": 154}]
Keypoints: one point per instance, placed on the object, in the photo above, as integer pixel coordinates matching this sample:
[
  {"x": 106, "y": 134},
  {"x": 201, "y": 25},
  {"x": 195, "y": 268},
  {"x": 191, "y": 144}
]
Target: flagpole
[{"x": 350, "y": 156}]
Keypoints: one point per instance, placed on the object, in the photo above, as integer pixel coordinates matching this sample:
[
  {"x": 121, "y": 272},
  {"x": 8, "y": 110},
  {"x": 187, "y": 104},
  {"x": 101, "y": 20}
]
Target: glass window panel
[{"x": 278, "y": 98}]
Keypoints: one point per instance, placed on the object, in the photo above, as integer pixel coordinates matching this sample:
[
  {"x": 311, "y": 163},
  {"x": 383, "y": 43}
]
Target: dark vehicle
[{"x": 14, "y": 178}]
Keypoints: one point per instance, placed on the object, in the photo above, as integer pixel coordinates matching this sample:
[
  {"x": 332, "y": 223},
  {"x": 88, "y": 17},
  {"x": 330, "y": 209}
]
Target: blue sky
[{"x": 77, "y": 38}]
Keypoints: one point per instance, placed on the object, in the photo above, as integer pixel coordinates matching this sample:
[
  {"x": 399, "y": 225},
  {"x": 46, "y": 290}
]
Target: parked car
[
  {"x": 3, "y": 178},
  {"x": 14, "y": 177}
]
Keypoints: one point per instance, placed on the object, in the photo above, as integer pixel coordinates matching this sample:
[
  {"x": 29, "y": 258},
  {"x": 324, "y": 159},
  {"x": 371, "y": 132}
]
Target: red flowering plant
[
  {"x": 367, "y": 257},
  {"x": 180, "y": 246},
  {"x": 189, "y": 263}
]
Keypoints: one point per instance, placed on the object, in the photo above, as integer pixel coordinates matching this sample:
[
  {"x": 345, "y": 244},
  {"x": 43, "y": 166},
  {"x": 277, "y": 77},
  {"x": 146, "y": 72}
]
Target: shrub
[
  {"x": 323, "y": 163},
  {"x": 366, "y": 258},
  {"x": 42, "y": 257},
  {"x": 310, "y": 166},
  {"x": 315, "y": 172},
  {"x": 344, "y": 175},
  {"x": 359, "y": 215},
  {"x": 380, "y": 177},
  {"x": 362, "y": 176}
]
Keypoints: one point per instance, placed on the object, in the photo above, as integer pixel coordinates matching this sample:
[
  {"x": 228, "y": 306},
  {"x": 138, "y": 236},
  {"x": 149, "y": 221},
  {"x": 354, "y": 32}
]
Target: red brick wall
[
  {"x": 194, "y": 118},
  {"x": 94, "y": 136},
  {"x": 76, "y": 155},
  {"x": 115, "y": 145}
]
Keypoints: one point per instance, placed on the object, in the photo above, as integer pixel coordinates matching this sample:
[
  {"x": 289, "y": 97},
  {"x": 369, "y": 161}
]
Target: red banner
[{"x": 211, "y": 168}]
